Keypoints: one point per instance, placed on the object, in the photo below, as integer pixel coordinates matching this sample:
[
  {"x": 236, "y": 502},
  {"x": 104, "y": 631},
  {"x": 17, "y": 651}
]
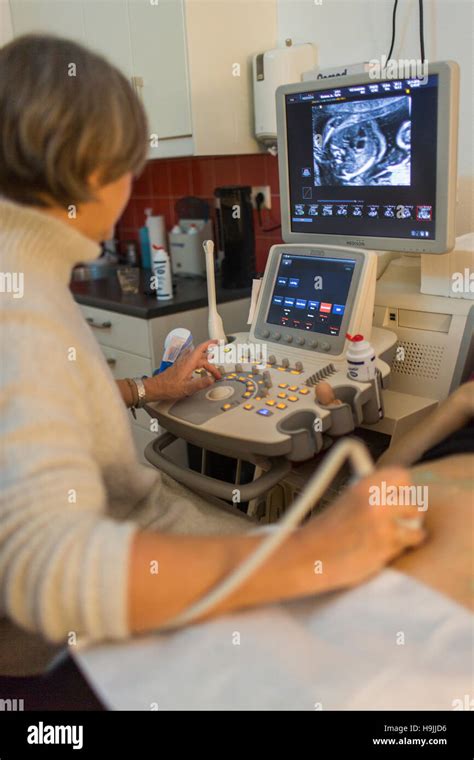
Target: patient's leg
[{"x": 445, "y": 561}]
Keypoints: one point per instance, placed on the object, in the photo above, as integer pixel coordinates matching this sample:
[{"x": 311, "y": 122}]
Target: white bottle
[
  {"x": 360, "y": 358},
  {"x": 161, "y": 268},
  {"x": 193, "y": 230},
  {"x": 156, "y": 228}
]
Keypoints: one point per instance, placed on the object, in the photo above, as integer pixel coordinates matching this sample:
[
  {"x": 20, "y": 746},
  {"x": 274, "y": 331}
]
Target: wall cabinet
[{"x": 189, "y": 61}]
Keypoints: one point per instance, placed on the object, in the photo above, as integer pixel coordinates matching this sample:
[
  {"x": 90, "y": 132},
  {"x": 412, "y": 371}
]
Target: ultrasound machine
[{"x": 367, "y": 179}]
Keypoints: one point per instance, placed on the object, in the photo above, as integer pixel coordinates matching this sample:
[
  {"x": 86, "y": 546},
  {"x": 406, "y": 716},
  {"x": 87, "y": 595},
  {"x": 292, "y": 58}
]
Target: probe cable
[{"x": 362, "y": 465}]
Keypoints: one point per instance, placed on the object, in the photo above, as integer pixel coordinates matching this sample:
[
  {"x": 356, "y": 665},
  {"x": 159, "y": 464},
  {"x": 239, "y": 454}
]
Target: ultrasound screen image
[{"x": 362, "y": 142}]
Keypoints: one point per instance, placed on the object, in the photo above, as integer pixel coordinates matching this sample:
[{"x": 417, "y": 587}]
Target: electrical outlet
[{"x": 266, "y": 192}]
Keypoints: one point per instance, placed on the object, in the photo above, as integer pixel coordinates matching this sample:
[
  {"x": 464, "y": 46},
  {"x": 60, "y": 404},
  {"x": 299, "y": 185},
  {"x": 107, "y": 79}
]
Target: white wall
[
  {"x": 5, "y": 22},
  {"x": 351, "y": 31}
]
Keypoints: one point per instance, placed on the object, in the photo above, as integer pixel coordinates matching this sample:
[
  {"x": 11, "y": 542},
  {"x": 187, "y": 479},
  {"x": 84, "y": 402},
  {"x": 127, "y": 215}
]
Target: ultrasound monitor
[{"x": 370, "y": 163}]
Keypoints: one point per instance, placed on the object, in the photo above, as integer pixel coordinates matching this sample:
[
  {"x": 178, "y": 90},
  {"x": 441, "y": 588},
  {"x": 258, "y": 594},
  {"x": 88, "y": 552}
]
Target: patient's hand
[{"x": 362, "y": 537}]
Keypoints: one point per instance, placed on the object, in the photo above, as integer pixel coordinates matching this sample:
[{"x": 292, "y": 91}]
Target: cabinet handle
[
  {"x": 137, "y": 84},
  {"x": 103, "y": 326},
  {"x": 111, "y": 362}
]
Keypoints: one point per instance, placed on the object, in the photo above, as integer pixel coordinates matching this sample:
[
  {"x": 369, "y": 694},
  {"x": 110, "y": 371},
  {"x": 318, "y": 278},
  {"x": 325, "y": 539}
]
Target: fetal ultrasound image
[{"x": 363, "y": 142}]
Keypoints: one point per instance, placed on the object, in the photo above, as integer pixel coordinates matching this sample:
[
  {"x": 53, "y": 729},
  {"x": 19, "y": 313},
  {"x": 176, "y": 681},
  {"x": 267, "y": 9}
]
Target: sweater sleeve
[{"x": 63, "y": 562}]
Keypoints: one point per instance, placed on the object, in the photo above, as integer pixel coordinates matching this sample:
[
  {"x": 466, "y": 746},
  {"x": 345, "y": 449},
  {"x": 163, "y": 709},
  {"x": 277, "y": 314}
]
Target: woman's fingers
[
  {"x": 197, "y": 384},
  {"x": 212, "y": 369}
]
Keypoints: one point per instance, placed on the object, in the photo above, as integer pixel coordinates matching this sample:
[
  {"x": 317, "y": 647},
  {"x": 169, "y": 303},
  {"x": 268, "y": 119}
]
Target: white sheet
[{"x": 335, "y": 652}]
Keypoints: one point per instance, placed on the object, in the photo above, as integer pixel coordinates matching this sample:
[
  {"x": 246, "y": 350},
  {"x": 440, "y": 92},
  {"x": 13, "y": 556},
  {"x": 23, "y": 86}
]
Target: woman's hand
[
  {"x": 177, "y": 381},
  {"x": 360, "y": 537}
]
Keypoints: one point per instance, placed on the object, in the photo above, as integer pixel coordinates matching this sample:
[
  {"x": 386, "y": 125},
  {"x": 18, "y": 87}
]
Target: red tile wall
[{"x": 164, "y": 181}]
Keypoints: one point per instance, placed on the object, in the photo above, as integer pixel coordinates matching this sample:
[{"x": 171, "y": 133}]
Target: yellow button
[
  {"x": 258, "y": 398},
  {"x": 243, "y": 379},
  {"x": 247, "y": 394},
  {"x": 292, "y": 387},
  {"x": 281, "y": 369},
  {"x": 304, "y": 391},
  {"x": 225, "y": 407},
  {"x": 261, "y": 382},
  {"x": 283, "y": 385},
  {"x": 270, "y": 402},
  {"x": 295, "y": 372},
  {"x": 248, "y": 406},
  {"x": 232, "y": 374},
  {"x": 282, "y": 395},
  {"x": 281, "y": 406},
  {"x": 292, "y": 398}
]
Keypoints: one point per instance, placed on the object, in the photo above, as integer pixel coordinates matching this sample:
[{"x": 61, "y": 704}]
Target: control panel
[{"x": 271, "y": 409}]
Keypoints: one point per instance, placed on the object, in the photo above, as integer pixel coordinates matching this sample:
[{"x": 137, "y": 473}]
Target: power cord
[
  {"x": 422, "y": 31},
  {"x": 420, "y": 25},
  {"x": 394, "y": 24}
]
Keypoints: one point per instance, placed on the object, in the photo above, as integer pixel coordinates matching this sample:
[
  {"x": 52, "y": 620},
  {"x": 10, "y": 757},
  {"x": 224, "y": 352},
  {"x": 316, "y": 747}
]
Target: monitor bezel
[
  {"x": 266, "y": 331},
  {"x": 446, "y": 166}
]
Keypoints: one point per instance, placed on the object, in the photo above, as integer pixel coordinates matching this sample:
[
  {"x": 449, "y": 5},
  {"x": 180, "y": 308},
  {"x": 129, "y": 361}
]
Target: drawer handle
[
  {"x": 103, "y": 326},
  {"x": 111, "y": 362}
]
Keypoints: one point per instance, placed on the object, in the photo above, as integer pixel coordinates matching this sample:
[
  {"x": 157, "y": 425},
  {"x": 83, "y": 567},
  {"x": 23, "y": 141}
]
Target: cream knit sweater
[{"x": 72, "y": 492}]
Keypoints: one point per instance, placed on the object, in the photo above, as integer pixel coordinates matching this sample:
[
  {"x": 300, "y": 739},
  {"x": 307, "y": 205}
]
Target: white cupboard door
[
  {"x": 107, "y": 31},
  {"x": 160, "y": 69},
  {"x": 63, "y": 18}
]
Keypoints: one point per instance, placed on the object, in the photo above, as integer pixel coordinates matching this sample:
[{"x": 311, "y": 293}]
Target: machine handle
[
  {"x": 280, "y": 467},
  {"x": 103, "y": 326}
]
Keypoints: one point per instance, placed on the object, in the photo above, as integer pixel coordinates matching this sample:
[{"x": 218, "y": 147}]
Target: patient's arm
[
  {"x": 451, "y": 415},
  {"x": 446, "y": 560}
]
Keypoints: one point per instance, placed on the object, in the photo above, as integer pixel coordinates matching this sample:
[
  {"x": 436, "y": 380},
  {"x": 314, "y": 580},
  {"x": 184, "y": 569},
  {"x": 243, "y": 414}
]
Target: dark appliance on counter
[{"x": 236, "y": 235}]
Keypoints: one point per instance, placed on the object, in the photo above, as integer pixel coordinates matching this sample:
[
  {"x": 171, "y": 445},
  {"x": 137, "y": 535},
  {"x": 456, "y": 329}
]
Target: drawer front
[
  {"x": 118, "y": 330},
  {"x": 124, "y": 364}
]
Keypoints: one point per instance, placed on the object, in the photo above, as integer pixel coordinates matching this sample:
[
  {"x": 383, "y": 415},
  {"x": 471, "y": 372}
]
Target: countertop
[{"x": 188, "y": 294}]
